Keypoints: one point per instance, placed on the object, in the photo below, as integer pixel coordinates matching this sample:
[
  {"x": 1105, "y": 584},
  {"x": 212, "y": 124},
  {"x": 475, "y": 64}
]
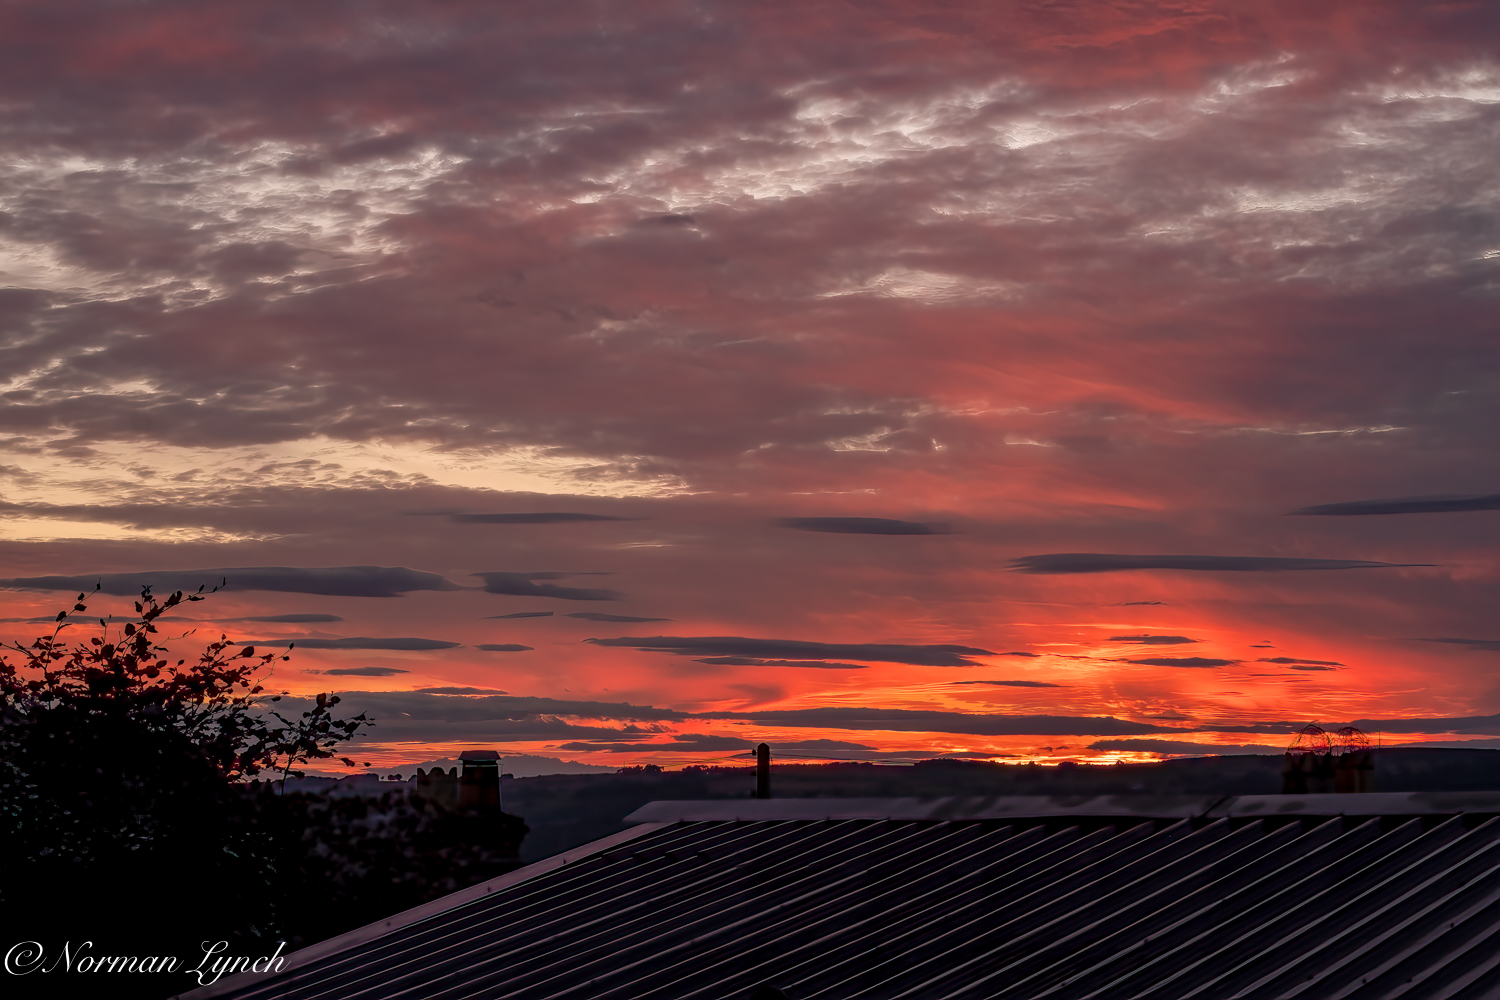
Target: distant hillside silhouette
[{"x": 566, "y": 810}]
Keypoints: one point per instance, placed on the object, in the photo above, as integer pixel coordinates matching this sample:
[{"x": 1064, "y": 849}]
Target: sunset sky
[{"x": 637, "y": 381}]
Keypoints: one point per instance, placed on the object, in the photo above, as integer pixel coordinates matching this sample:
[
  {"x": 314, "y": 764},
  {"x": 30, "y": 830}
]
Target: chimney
[
  {"x": 479, "y": 785},
  {"x": 763, "y": 771}
]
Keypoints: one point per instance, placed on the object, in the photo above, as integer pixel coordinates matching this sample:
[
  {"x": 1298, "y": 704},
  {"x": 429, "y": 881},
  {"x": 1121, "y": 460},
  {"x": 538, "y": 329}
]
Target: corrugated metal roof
[
  {"x": 1039, "y": 806},
  {"x": 1262, "y": 904}
]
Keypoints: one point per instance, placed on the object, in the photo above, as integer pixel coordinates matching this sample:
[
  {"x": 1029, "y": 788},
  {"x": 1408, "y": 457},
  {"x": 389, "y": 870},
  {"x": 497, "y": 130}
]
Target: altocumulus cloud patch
[{"x": 525, "y": 585}]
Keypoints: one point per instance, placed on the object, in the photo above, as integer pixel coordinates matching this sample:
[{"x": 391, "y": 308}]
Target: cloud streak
[
  {"x": 1406, "y": 505},
  {"x": 525, "y": 585},
  {"x": 543, "y": 517},
  {"x": 862, "y": 526},
  {"x": 1485, "y": 644},
  {"x": 337, "y": 581},
  {"x": 1019, "y": 684},
  {"x": 361, "y": 642},
  {"x": 1183, "y": 661},
  {"x": 1097, "y": 562},
  {"x": 792, "y": 649},
  {"x": 751, "y": 661}
]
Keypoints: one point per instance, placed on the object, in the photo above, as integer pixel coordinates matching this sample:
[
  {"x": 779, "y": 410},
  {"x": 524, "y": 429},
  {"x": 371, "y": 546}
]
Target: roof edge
[
  {"x": 442, "y": 904},
  {"x": 1045, "y": 806}
]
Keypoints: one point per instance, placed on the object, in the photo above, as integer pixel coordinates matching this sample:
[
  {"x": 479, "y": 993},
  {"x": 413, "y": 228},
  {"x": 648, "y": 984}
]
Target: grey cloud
[
  {"x": 1407, "y": 505},
  {"x": 1173, "y": 747},
  {"x": 504, "y": 113},
  {"x": 504, "y": 708},
  {"x": 523, "y": 585},
  {"x": 910, "y": 720},
  {"x": 1020, "y": 653},
  {"x": 360, "y": 642},
  {"x": 337, "y": 581},
  {"x": 1306, "y": 666},
  {"x": 522, "y": 614},
  {"x": 597, "y": 616},
  {"x": 85, "y": 619},
  {"x": 606, "y": 746},
  {"x": 705, "y": 741},
  {"x": 406, "y": 716},
  {"x": 1183, "y": 661},
  {"x": 459, "y": 690},
  {"x": 1096, "y": 562},
  {"x": 1018, "y": 684},
  {"x": 792, "y": 649},
  {"x": 419, "y": 715},
  {"x": 543, "y": 517},
  {"x": 287, "y": 619},
  {"x": 361, "y": 671},
  {"x": 1288, "y": 659},
  {"x": 504, "y": 647},
  {"x": 1488, "y": 644},
  {"x": 1447, "y": 724},
  {"x": 862, "y": 525},
  {"x": 1153, "y": 640},
  {"x": 708, "y": 743},
  {"x": 1131, "y": 604},
  {"x": 751, "y": 661}
]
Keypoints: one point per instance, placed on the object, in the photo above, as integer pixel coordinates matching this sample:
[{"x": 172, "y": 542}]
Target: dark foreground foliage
[{"x": 127, "y": 828}]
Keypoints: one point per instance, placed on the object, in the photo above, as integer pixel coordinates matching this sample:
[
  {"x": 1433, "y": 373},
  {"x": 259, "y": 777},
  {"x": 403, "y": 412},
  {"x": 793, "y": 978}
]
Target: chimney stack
[{"x": 763, "y": 771}]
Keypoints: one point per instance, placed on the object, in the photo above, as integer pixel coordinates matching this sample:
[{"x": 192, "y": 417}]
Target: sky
[{"x": 630, "y": 383}]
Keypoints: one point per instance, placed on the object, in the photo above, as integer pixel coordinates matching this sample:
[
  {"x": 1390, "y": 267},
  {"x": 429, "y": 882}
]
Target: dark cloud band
[
  {"x": 1098, "y": 562},
  {"x": 333, "y": 581},
  {"x": 792, "y": 649},
  {"x": 361, "y": 642},
  {"x": 751, "y": 661},
  {"x": 543, "y": 517},
  {"x": 1407, "y": 505},
  {"x": 862, "y": 526},
  {"x": 909, "y": 720},
  {"x": 1489, "y": 644},
  {"x": 361, "y": 672},
  {"x": 1016, "y": 684},
  {"x": 525, "y": 585},
  {"x": 1183, "y": 661}
]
